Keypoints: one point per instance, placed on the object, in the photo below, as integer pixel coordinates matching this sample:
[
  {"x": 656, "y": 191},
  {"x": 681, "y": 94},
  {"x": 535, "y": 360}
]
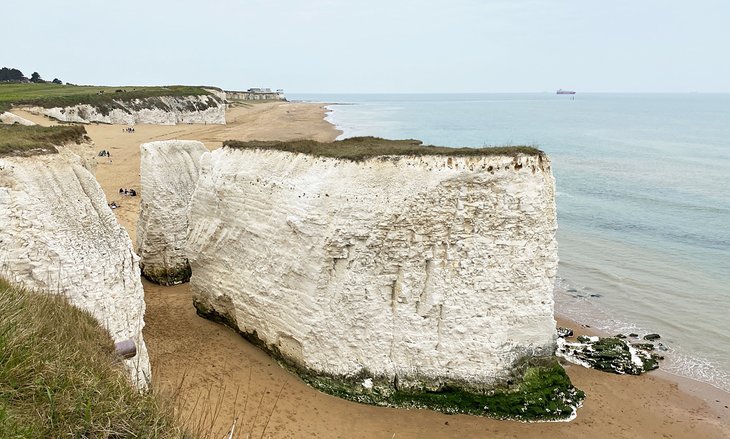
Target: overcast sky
[{"x": 376, "y": 45}]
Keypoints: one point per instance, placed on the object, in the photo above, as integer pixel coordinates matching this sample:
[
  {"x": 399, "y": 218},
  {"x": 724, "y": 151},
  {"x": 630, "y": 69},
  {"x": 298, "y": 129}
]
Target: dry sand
[{"x": 218, "y": 375}]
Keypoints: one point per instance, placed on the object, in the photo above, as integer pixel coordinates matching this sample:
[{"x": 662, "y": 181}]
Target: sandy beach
[{"x": 218, "y": 377}]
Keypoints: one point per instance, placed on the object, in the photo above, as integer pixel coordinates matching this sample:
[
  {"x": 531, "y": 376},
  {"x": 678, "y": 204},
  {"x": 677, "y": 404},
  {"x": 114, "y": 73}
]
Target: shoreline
[
  {"x": 208, "y": 364},
  {"x": 716, "y": 399}
]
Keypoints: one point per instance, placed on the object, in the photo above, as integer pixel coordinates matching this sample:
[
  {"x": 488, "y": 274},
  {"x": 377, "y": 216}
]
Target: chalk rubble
[
  {"x": 418, "y": 271},
  {"x": 58, "y": 235},
  {"x": 168, "y": 173}
]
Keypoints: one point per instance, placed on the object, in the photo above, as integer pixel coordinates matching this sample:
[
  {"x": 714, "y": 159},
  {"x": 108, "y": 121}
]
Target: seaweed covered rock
[
  {"x": 564, "y": 332},
  {"x": 610, "y": 354}
]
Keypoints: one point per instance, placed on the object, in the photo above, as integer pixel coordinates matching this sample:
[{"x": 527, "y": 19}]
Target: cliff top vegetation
[
  {"x": 49, "y": 95},
  {"x": 32, "y": 140},
  {"x": 361, "y": 148},
  {"x": 59, "y": 376}
]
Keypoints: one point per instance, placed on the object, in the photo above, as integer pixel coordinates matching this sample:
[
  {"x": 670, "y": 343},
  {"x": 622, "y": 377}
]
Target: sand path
[{"x": 217, "y": 375}]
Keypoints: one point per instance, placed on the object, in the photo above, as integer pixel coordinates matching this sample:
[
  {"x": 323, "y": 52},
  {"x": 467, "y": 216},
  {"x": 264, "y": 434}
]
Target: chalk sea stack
[
  {"x": 168, "y": 174},
  {"x": 388, "y": 272}
]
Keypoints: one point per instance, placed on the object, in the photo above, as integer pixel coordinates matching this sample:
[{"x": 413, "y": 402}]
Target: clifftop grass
[
  {"x": 59, "y": 376},
  {"x": 361, "y": 148},
  {"x": 32, "y": 140},
  {"x": 50, "y": 95}
]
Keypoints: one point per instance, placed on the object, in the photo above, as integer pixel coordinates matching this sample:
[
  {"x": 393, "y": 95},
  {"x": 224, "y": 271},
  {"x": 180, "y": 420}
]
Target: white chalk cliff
[
  {"x": 411, "y": 269},
  {"x": 10, "y": 118},
  {"x": 168, "y": 173},
  {"x": 164, "y": 110},
  {"x": 58, "y": 235}
]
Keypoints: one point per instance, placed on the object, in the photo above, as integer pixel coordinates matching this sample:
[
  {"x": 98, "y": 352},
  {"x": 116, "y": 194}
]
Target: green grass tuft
[
  {"x": 59, "y": 376},
  {"x": 31, "y": 140},
  {"x": 361, "y": 148}
]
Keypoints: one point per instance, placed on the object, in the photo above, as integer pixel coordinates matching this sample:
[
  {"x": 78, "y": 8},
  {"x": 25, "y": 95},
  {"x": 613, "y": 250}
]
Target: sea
[{"x": 643, "y": 198}]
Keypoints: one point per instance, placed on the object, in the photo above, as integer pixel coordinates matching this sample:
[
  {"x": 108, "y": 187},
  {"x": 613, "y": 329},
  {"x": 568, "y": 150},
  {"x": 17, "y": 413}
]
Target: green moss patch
[
  {"x": 168, "y": 276},
  {"x": 541, "y": 391},
  {"x": 361, "y": 148}
]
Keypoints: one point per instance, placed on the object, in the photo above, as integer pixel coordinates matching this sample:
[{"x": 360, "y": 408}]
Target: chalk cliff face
[
  {"x": 10, "y": 118},
  {"x": 168, "y": 172},
  {"x": 411, "y": 270},
  {"x": 58, "y": 235},
  {"x": 165, "y": 110}
]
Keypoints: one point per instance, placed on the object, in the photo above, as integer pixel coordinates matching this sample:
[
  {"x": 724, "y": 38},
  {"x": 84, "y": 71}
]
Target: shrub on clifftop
[{"x": 362, "y": 148}]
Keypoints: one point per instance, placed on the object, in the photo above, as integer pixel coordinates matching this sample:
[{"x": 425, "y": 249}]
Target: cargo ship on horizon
[{"x": 565, "y": 92}]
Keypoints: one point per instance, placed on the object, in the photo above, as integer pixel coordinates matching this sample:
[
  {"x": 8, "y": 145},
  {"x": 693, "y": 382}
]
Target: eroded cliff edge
[
  {"x": 168, "y": 175},
  {"x": 58, "y": 235},
  {"x": 420, "y": 277},
  {"x": 160, "y": 110}
]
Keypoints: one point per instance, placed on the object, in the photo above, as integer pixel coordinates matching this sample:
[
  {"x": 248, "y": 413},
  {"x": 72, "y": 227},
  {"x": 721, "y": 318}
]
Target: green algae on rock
[
  {"x": 609, "y": 354},
  {"x": 167, "y": 276},
  {"x": 539, "y": 391}
]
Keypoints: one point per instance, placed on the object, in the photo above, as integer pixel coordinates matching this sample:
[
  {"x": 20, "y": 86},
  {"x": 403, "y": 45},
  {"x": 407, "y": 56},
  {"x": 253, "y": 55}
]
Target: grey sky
[{"x": 377, "y": 45}]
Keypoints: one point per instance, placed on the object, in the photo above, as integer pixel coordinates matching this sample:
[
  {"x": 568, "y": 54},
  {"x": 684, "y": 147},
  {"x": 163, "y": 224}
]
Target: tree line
[{"x": 15, "y": 75}]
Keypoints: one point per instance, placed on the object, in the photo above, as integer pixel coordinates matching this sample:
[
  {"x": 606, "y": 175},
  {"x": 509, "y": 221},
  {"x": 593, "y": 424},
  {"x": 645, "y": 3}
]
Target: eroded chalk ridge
[
  {"x": 58, "y": 235},
  {"x": 161, "y": 110},
  {"x": 400, "y": 280},
  {"x": 168, "y": 174}
]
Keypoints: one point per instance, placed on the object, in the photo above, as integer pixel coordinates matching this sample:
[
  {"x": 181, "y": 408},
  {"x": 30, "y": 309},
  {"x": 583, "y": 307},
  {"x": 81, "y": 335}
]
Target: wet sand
[{"x": 218, "y": 375}]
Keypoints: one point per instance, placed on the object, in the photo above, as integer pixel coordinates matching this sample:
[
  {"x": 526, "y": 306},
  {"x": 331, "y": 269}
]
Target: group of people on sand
[
  {"x": 126, "y": 192},
  {"x": 130, "y": 192},
  {"x": 128, "y": 130}
]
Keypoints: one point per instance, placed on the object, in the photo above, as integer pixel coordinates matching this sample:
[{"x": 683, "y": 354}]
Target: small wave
[
  {"x": 330, "y": 117},
  {"x": 698, "y": 369}
]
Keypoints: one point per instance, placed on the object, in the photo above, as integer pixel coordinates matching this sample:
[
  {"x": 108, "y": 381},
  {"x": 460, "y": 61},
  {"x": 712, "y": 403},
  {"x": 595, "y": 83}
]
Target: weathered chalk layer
[
  {"x": 168, "y": 173},
  {"x": 417, "y": 271},
  {"x": 165, "y": 110},
  {"x": 10, "y": 118},
  {"x": 58, "y": 235}
]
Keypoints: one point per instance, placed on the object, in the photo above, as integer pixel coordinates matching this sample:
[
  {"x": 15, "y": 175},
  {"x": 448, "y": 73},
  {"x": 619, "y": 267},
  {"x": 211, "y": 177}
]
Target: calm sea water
[{"x": 643, "y": 195}]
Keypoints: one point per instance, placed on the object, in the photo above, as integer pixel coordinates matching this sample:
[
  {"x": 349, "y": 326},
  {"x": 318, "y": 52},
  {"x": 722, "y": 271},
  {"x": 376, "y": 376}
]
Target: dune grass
[
  {"x": 49, "y": 95},
  {"x": 361, "y": 148},
  {"x": 60, "y": 378},
  {"x": 31, "y": 140}
]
